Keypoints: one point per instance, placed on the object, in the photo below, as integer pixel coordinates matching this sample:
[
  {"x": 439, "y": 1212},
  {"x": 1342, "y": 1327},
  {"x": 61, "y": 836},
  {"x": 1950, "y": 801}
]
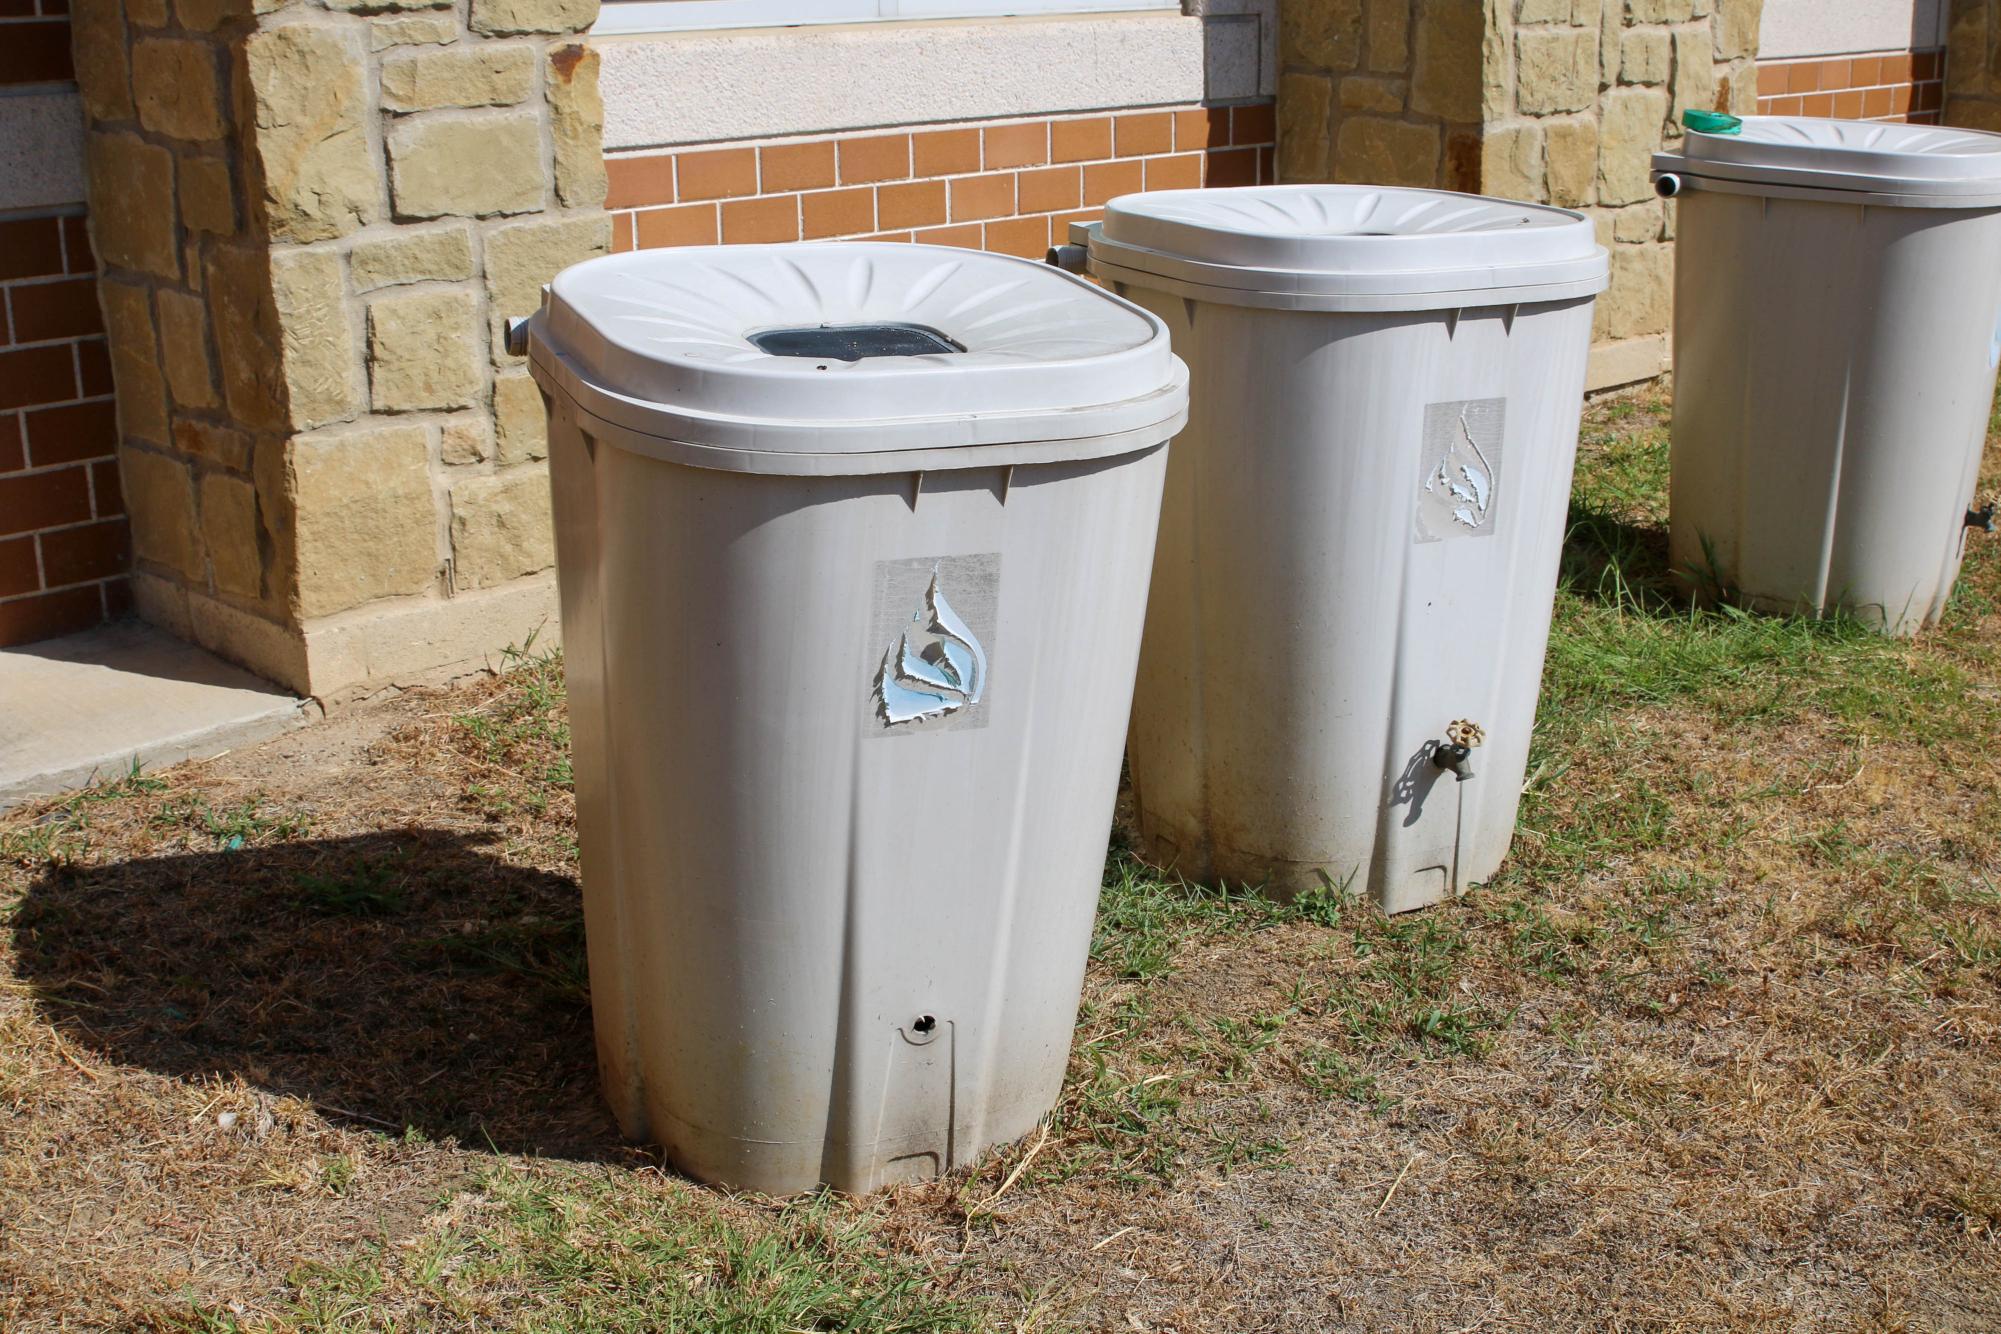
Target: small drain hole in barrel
[{"x": 925, "y": 1023}]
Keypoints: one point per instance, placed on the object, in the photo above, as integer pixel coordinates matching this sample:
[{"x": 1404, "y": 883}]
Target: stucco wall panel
[
  {"x": 41, "y": 150},
  {"x": 722, "y": 86},
  {"x": 1795, "y": 28}
]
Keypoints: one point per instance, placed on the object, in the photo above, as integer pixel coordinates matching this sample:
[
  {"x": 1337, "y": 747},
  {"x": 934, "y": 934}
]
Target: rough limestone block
[
  {"x": 174, "y": 83},
  {"x": 1736, "y": 28},
  {"x": 1571, "y": 156},
  {"x": 422, "y": 353},
  {"x": 1449, "y": 73},
  {"x": 501, "y": 527},
  {"x": 1361, "y": 92},
  {"x": 1638, "y": 223},
  {"x": 1641, "y": 297},
  {"x": 412, "y": 30},
  {"x": 322, "y": 381},
  {"x": 364, "y": 524},
  {"x": 282, "y": 338},
  {"x": 1460, "y": 168},
  {"x": 1512, "y": 162},
  {"x": 520, "y": 422},
  {"x": 208, "y": 204},
  {"x": 1374, "y": 150},
  {"x": 184, "y": 348},
  {"x": 1632, "y": 119},
  {"x": 208, "y": 15},
  {"x": 98, "y": 48},
  {"x": 1544, "y": 11},
  {"x": 466, "y": 440},
  {"x": 576, "y": 123},
  {"x": 237, "y": 286},
  {"x": 434, "y": 254},
  {"x": 1305, "y": 103},
  {"x": 1611, "y": 33},
  {"x": 1660, "y": 11},
  {"x": 1321, "y": 34},
  {"x": 218, "y": 444},
  {"x": 160, "y": 498},
  {"x": 1556, "y": 70},
  {"x": 1646, "y": 55},
  {"x": 522, "y": 256},
  {"x": 1967, "y": 47},
  {"x": 490, "y": 74},
  {"x": 466, "y": 166},
  {"x": 306, "y": 88},
  {"x": 135, "y": 362},
  {"x": 1694, "y": 70},
  {"x": 229, "y": 531},
  {"x": 1387, "y": 34},
  {"x": 132, "y": 204},
  {"x": 504, "y": 17},
  {"x": 1738, "y": 88},
  {"x": 1974, "y": 114}
]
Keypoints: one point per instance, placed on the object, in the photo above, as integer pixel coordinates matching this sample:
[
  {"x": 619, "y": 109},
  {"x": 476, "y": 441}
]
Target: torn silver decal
[
  {"x": 1460, "y": 481},
  {"x": 933, "y": 670}
]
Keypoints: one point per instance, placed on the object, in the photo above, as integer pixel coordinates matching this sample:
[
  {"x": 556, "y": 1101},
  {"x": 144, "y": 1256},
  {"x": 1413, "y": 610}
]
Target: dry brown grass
[{"x": 298, "y": 1038}]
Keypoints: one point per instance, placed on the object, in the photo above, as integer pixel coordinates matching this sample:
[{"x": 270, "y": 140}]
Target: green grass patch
[
  {"x": 1625, "y": 636},
  {"x": 566, "y": 1249}
]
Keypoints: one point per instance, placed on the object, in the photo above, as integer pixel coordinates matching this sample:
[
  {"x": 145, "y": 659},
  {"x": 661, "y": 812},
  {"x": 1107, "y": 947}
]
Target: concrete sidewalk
[{"x": 86, "y": 706}]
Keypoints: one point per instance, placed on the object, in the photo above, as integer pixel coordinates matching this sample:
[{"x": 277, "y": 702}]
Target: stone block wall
[
  {"x": 1973, "y": 65},
  {"x": 1383, "y": 92},
  {"x": 1553, "y": 101},
  {"x": 313, "y": 218}
]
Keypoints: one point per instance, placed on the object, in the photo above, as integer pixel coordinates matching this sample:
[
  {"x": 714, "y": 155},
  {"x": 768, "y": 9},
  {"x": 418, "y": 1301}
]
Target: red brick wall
[
  {"x": 1885, "y": 85},
  {"x": 1010, "y": 186},
  {"x": 64, "y": 550},
  {"x": 34, "y": 42}
]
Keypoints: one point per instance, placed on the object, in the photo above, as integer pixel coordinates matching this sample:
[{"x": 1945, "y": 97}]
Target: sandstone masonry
[
  {"x": 1973, "y": 65},
  {"x": 1553, "y": 101},
  {"x": 313, "y": 218}
]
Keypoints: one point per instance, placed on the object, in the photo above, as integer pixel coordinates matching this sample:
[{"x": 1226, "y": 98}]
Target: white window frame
[{"x": 654, "y": 16}]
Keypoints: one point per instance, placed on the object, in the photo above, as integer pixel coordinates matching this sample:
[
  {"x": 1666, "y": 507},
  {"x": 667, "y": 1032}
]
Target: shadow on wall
[{"x": 407, "y": 978}]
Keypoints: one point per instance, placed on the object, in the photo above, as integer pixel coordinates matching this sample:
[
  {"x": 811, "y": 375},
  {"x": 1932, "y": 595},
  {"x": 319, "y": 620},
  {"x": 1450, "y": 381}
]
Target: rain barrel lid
[
  {"x": 1352, "y": 246},
  {"x": 853, "y": 346},
  {"x": 1914, "y": 164}
]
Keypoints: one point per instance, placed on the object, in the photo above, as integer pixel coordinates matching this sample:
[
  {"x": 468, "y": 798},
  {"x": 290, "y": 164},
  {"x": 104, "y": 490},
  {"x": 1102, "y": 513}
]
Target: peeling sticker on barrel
[
  {"x": 931, "y": 643},
  {"x": 1459, "y": 482}
]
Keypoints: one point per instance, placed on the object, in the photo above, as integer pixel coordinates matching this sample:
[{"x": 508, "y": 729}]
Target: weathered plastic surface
[
  {"x": 1835, "y": 369},
  {"x": 1927, "y": 166},
  {"x": 826, "y": 946},
  {"x": 1358, "y": 548}
]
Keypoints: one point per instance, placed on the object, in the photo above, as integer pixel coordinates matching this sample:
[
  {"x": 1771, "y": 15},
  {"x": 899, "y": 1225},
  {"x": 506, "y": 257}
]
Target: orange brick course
[
  {"x": 1888, "y": 85},
  {"x": 1009, "y": 186}
]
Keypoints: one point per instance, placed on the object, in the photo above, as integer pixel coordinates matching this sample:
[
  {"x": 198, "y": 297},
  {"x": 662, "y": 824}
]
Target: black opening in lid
[{"x": 853, "y": 342}]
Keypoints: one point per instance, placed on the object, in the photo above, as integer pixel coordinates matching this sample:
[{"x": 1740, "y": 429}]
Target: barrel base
[{"x": 1197, "y": 858}]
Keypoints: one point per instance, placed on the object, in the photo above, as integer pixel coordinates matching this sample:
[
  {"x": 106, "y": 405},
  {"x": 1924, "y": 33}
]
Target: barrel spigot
[{"x": 1455, "y": 753}]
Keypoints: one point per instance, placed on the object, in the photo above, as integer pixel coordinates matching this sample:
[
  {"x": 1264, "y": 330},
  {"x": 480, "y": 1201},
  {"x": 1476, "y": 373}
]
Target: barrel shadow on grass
[
  {"x": 408, "y": 978},
  {"x": 1610, "y": 561}
]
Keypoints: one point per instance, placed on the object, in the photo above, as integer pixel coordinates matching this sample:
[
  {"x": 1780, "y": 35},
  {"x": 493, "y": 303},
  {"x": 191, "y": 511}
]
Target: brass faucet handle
[{"x": 1464, "y": 732}]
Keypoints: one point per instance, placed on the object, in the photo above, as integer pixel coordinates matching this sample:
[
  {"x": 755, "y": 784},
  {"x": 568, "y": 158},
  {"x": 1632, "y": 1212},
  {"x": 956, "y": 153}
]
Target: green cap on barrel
[{"x": 1712, "y": 122}]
